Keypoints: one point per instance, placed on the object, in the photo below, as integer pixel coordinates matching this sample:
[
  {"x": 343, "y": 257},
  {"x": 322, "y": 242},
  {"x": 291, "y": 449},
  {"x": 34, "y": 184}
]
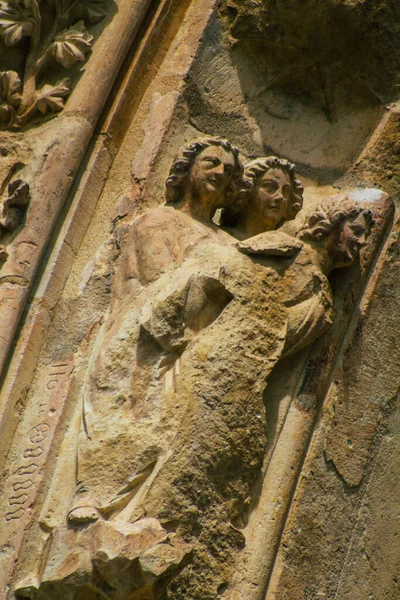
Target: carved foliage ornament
[
  {"x": 12, "y": 211},
  {"x": 66, "y": 41}
]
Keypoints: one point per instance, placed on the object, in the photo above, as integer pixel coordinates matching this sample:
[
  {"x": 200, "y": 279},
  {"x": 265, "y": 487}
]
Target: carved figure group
[
  {"x": 173, "y": 412},
  {"x": 181, "y": 258}
]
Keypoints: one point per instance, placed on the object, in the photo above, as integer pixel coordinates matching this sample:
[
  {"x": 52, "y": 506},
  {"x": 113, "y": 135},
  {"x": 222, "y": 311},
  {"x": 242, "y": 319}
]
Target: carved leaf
[
  {"x": 10, "y": 87},
  {"x": 90, "y": 10},
  {"x": 13, "y": 207},
  {"x": 7, "y": 114},
  {"x": 71, "y": 45},
  {"x": 18, "y": 193},
  {"x": 3, "y": 254},
  {"x": 16, "y": 21},
  {"x": 51, "y": 98}
]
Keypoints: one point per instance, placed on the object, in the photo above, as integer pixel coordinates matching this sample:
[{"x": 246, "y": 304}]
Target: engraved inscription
[
  {"x": 39, "y": 433},
  {"x": 22, "y": 480}
]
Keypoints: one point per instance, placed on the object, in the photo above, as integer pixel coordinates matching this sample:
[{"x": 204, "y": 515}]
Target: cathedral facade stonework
[{"x": 199, "y": 298}]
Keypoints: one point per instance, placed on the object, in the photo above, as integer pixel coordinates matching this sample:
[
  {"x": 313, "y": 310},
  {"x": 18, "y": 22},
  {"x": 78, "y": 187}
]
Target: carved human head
[
  {"x": 341, "y": 226},
  {"x": 270, "y": 195},
  {"x": 208, "y": 171}
]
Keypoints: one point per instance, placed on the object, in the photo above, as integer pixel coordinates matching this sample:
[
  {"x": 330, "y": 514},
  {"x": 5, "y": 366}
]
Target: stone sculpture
[
  {"x": 220, "y": 443},
  {"x": 202, "y": 175},
  {"x": 333, "y": 236},
  {"x": 183, "y": 302},
  {"x": 222, "y": 453},
  {"x": 173, "y": 415},
  {"x": 270, "y": 195}
]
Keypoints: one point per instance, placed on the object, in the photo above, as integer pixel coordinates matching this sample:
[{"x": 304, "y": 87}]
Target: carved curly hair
[
  {"x": 179, "y": 172},
  {"x": 252, "y": 173},
  {"x": 329, "y": 214}
]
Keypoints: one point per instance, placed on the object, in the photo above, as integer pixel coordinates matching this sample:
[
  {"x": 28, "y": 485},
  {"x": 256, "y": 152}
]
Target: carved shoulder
[
  {"x": 161, "y": 238},
  {"x": 271, "y": 243}
]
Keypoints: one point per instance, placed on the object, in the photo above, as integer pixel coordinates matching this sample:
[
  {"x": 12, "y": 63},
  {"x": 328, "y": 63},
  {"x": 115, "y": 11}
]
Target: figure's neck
[
  {"x": 250, "y": 224},
  {"x": 198, "y": 209}
]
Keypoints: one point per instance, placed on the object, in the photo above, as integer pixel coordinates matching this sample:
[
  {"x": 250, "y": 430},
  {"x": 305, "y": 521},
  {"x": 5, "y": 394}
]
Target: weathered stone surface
[
  {"x": 304, "y": 46},
  {"x": 168, "y": 348},
  {"x": 112, "y": 560},
  {"x": 308, "y": 392},
  {"x": 340, "y": 531},
  {"x": 224, "y": 423}
]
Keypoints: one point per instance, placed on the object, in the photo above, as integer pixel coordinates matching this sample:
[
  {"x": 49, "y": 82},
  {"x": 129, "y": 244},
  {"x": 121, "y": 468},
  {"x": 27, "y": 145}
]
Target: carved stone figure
[
  {"x": 173, "y": 415},
  {"x": 182, "y": 303},
  {"x": 136, "y": 345},
  {"x": 220, "y": 443},
  {"x": 333, "y": 236},
  {"x": 271, "y": 195}
]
